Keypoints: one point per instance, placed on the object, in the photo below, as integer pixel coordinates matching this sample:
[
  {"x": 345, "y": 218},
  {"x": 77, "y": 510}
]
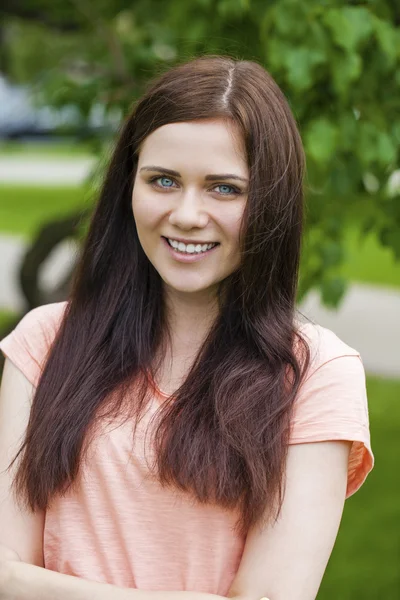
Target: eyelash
[{"x": 154, "y": 179}]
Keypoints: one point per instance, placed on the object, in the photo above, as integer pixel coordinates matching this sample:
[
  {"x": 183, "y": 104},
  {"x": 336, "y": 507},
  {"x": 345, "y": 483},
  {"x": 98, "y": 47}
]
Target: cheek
[
  {"x": 232, "y": 224},
  {"x": 146, "y": 212}
]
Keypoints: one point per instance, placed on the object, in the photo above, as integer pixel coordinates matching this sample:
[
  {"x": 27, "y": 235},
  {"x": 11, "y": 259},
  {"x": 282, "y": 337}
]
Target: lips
[
  {"x": 188, "y": 253},
  {"x": 189, "y": 241}
]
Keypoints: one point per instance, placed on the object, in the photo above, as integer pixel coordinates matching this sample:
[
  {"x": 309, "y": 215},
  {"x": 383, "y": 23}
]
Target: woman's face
[{"x": 188, "y": 199}]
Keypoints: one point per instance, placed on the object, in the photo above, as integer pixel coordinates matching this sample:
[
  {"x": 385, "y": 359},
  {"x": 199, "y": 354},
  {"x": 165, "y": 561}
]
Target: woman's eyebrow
[{"x": 213, "y": 177}]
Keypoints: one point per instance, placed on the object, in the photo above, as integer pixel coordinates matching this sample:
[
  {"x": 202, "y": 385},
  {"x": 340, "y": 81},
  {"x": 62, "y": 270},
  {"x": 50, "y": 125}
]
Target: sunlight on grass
[
  {"x": 24, "y": 209},
  {"x": 5, "y": 317},
  {"x": 364, "y": 562},
  {"x": 369, "y": 262}
]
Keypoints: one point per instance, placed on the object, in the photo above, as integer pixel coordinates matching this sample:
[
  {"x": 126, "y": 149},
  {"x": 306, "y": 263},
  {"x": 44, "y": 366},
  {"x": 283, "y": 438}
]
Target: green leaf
[
  {"x": 232, "y": 8},
  {"x": 333, "y": 290},
  {"x": 388, "y": 39},
  {"x": 320, "y": 140},
  {"x": 366, "y": 142},
  {"x": 374, "y": 145},
  {"x": 367, "y": 226},
  {"x": 345, "y": 70},
  {"x": 333, "y": 226},
  {"x": 331, "y": 254},
  {"x": 341, "y": 179},
  {"x": 275, "y": 53},
  {"x": 289, "y": 19},
  {"x": 300, "y": 64},
  {"x": 390, "y": 237},
  {"x": 204, "y": 3},
  {"x": 386, "y": 149},
  {"x": 347, "y": 129},
  {"x": 349, "y": 25}
]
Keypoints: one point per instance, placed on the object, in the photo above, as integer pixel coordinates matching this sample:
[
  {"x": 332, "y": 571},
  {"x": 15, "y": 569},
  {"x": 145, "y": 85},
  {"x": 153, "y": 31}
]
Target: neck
[{"x": 190, "y": 316}]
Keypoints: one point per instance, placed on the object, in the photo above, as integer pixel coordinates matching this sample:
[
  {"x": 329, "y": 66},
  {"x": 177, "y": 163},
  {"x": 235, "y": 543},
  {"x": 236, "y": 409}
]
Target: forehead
[{"x": 210, "y": 144}]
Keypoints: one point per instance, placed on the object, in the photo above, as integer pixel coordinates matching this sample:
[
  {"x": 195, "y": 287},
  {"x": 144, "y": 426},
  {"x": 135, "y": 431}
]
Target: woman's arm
[
  {"x": 20, "y": 529},
  {"x": 286, "y": 560},
  {"x": 21, "y": 581}
]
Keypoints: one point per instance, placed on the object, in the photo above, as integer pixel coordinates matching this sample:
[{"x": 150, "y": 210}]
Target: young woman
[{"x": 178, "y": 431}]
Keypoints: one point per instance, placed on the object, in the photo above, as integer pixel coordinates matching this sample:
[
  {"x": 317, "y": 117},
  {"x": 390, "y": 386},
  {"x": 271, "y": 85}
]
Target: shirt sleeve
[
  {"x": 332, "y": 405},
  {"x": 27, "y": 346}
]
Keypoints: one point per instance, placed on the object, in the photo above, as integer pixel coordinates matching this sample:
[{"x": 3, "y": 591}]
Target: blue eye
[
  {"x": 229, "y": 189},
  {"x": 164, "y": 178},
  {"x": 226, "y": 190}
]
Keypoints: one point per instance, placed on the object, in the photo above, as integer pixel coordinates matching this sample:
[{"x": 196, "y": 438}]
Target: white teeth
[{"x": 190, "y": 248}]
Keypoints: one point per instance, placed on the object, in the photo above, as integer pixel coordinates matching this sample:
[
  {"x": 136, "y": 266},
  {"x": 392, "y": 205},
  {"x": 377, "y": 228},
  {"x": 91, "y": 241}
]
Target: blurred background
[{"x": 70, "y": 71}]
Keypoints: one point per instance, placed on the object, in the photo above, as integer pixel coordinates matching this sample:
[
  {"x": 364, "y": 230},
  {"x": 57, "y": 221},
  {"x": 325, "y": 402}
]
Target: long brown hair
[{"x": 224, "y": 434}]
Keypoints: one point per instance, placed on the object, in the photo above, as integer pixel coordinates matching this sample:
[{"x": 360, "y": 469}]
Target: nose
[{"x": 189, "y": 211}]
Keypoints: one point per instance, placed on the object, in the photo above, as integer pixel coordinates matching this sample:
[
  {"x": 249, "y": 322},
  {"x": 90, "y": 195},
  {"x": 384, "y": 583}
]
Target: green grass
[
  {"x": 365, "y": 560},
  {"x": 24, "y": 209},
  {"x": 49, "y": 150},
  {"x": 369, "y": 262},
  {"x": 5, "y": 317}
]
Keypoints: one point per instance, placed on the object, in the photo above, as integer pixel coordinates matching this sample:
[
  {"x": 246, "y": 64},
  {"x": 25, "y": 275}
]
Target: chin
[{"x": 187, "y": 287}]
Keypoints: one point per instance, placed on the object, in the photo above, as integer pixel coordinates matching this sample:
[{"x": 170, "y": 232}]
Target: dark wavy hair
[{"x": 223, "y": 435}]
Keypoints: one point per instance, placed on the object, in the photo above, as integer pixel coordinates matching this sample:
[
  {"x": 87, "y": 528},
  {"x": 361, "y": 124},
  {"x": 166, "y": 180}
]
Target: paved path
[
  {"x": 44, "y": 171},
  {"x": 12, "y": 249},
  {"x": 368, "y": 318}
]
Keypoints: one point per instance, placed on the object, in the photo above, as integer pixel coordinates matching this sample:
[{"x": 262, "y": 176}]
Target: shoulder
[
  {"x": 335, "y": 377},
  {"x": 332, "y": 400},
  {"x": 325, "y": 346},
  {"x": 41, "y": 323},
  {"x": 45, "y": 318},
  {"x": 28, "y": 344}
]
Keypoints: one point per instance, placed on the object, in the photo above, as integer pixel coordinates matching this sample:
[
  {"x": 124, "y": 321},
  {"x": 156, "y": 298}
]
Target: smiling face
[{"x": 188, "y": 199}]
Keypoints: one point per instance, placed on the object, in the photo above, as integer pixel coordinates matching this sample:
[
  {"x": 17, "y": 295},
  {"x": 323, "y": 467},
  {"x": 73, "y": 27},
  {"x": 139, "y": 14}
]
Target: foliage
[{"x": 337, "y": 62}]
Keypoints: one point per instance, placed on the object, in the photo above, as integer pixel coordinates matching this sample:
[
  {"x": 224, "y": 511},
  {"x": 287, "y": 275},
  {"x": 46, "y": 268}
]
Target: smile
[
  {"x": 189, "y": 253},
  {"x": 191, "y": 248}
]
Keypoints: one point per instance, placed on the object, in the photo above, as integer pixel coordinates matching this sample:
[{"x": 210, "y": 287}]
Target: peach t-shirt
[{"x": 121, "y": 527}]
